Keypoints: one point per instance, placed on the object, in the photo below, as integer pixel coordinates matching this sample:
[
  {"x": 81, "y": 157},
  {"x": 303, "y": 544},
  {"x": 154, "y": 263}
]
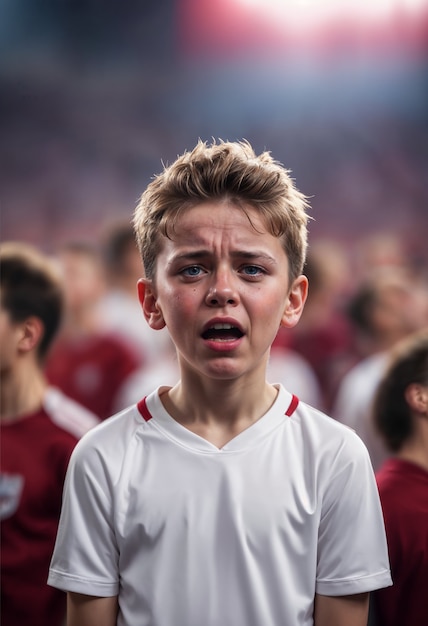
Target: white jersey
[{"x": 188, "y": 534}]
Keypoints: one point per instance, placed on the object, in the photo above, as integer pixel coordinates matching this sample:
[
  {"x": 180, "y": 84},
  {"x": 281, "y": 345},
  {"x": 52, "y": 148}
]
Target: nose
[{"x": 222, "y": 290}]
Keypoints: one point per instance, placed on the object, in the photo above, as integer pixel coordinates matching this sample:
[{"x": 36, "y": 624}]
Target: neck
[
  {"x": 416, "y": 449},
  {"x": 80, "y": 322},
  {"x": 218, "y": 410},
  {"x": 21, "y": 393}
]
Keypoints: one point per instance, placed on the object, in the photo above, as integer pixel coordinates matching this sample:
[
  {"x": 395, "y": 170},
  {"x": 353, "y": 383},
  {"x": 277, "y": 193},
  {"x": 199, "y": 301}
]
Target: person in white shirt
[
  {"x": 386, "y": 307},
  {"x": 222, "y": 500}
]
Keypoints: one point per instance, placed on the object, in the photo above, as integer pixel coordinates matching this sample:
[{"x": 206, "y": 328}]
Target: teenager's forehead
[
  {"x": 221, "y": 228},
  {"x": 231, "y": 213}
]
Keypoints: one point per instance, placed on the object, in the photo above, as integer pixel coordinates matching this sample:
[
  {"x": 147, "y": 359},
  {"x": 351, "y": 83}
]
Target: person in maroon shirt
[
  {"x": 401, "y": 417},
  {"x": 87, "y": 362},
  {"x": 39, "y": 428}
]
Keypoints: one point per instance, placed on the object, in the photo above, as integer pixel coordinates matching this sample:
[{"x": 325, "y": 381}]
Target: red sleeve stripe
[
  {"x": 142, "y": 407},
  {"x": 293, "y": 406}
]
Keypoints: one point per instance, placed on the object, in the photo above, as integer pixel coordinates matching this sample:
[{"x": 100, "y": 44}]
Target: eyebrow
[{"x": 253, "y": 255}]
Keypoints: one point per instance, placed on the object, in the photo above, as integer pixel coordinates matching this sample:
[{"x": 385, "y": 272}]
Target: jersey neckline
[{"x": 154, "y": 414}]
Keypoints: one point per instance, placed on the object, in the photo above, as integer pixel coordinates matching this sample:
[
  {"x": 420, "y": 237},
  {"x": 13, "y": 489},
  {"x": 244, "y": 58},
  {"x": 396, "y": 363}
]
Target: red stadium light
[
  {"x": 324, "y": 10},
  {"x": 224, "y": 27}
]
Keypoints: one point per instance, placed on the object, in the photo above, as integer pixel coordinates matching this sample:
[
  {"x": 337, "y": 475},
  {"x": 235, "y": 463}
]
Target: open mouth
[{"x": 222, "y": 332}]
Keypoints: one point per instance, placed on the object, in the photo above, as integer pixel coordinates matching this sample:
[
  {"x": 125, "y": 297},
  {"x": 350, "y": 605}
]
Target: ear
[
  {"x": 30, "y": 334},
  {"x": 417, "y": 398},
  {"x": 149, "y": 304},
  {"x": 295, "y": 302}
]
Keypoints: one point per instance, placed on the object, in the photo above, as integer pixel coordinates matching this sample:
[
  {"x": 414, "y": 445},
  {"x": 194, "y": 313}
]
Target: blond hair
[{"x": 223, "y": 171}]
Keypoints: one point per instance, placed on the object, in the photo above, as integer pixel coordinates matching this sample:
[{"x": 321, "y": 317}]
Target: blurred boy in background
[
  {"x": 386, "y": 307},
  {"x": 39, "y": 429},
  {"x": 401, "y": 417},
  {"x": 119, "y": 308},
  {"x": 87, "y": 362}
]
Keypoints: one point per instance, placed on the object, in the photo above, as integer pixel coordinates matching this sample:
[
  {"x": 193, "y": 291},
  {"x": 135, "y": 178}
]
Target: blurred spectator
[
  {"x": 291, "y": 370},
  {"x": 39, "y": 429},
  {"x": 401, "y": 417},
  {"x": 323, "y": 336},
  {"x": 88, "y": 363},
  {"x": 120, "y": 310},
  {"x": 380, "y": 250},
  {"x": 385, "y": 308}
]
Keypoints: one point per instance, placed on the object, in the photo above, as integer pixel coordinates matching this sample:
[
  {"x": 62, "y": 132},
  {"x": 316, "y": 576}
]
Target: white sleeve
[
  {"x": 85, "y": 558},
  {"x": 352, "y": 549}
]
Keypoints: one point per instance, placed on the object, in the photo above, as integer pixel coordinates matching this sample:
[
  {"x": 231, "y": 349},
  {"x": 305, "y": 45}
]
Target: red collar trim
[
  {"x": 293, "y": 406},
  {"x": 142, "y": 407},
  {"x": 145, "y": 413}
]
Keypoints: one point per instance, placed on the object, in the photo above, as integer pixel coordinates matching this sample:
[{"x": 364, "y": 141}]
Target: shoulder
[
  {"x": 38, "y": 432},
  {"x": 328, "y": 440},
  {"x": 323, "y": 425},
  {"x": 400, "y": 481},
  {"x": 403, "y": 491},
  {"x": 109, "y": 442},
  {"x": 106, "y": 458},
  {"x": 68, "y": 414}
]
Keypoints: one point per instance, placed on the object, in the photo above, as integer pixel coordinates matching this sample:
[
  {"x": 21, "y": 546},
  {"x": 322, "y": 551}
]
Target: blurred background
[{"x": 97, "y": 94}]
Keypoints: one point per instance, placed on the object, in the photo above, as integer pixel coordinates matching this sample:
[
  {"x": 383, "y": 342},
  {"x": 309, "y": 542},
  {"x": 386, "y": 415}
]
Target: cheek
[
  {"x": 178, "y": 308},
  {"x": 271, "y": 302}
]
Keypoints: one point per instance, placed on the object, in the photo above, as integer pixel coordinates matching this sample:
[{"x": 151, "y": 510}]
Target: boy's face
[
  {"x": 222, "y": 290},
  {"x": 82, "y": 278}
]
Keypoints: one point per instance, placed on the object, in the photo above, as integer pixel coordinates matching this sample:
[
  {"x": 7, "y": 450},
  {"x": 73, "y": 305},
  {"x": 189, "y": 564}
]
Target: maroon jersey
[
  {"x": 91, "y": 370},
  {"x": 34, "y": 458},
  {"x": 403, "y": 489}
]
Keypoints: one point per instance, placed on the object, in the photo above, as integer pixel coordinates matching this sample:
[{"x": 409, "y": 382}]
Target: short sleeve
[
  {"x": 352, "y": 549},
  {"x": 85, "y": 558}
]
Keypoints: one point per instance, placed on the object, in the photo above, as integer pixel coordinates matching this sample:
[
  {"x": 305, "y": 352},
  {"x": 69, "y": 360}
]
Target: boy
[
  {"x": 39, "y": 429},
  {"x": 401, "y": 417},
  {"x": 119, "y": 309},
  {"x": 386, "y": 307},
  {"x": 88, "y": 363},
  {"x": 223, "y": 500}
]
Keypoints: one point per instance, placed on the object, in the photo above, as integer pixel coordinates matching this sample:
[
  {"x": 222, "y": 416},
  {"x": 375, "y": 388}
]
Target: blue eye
[
  {"x": 252, "y": 270},
  {"x": 193, "y": 270}
]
